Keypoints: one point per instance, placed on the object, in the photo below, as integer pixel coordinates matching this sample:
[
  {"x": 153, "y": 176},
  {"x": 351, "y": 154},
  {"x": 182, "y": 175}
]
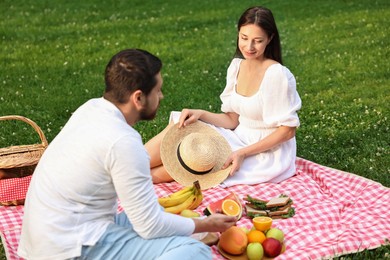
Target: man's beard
[{"x": 146, "y": 113}]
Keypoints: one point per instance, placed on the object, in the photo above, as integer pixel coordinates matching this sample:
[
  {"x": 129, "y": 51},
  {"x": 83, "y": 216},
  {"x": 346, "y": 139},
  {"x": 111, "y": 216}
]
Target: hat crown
[
  {"x": 214, "y": 155},
  {"x": 198, "y": 152}
]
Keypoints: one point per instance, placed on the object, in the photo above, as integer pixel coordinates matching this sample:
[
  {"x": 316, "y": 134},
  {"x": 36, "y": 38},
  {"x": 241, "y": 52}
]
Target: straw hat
[{"x": 195, "y": 152}]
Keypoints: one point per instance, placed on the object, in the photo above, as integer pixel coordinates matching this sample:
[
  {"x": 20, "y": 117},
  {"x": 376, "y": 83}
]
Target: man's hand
[{"x": 214, "y": 223}]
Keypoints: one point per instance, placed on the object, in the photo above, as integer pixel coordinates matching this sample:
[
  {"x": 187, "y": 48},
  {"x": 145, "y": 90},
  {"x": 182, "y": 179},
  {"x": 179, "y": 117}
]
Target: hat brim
[{"x": 168, "y": 150}]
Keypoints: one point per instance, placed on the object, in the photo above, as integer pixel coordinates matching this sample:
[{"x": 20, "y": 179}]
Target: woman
[{"x": 259, "y": 108}]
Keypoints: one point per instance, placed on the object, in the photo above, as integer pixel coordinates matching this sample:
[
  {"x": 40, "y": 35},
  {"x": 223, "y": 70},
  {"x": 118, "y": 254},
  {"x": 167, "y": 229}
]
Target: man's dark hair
[{"x": 128, "y": 71}]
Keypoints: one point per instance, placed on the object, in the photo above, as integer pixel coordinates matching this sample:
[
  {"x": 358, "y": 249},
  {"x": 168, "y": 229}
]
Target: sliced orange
[
  {"x": 230, "y": 208},
  {"x": 256, "y": 236},
  {"x": 262, "y": 223}
]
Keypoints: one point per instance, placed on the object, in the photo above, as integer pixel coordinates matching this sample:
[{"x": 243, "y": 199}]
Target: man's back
[{"x": 71, "y": 197}]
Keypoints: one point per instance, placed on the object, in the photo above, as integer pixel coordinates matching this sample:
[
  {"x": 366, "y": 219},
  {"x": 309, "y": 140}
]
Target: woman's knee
[{"x": 160, "y": 175}]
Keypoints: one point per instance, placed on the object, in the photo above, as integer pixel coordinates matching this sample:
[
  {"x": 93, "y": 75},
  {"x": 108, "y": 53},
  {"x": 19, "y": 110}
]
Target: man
[{"x": 70, "y": 209}]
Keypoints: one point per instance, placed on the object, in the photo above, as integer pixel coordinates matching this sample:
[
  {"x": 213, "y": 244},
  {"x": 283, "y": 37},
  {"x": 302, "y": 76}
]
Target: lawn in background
[{"x": 53, "y": 55}]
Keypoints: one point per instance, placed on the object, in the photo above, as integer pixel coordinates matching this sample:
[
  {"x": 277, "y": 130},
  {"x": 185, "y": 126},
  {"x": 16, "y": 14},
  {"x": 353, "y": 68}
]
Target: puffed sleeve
[
  {"x": 231, "y": 77},
  {"x": 281, "y": 99}
]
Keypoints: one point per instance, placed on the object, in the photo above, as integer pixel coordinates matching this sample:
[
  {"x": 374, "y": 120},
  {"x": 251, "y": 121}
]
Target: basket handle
[{"x": 31, "y": 123}]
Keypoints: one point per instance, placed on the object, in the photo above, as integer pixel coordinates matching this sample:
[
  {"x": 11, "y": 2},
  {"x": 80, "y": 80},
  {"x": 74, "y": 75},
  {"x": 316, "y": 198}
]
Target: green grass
[{"x": 53, "y": 55}]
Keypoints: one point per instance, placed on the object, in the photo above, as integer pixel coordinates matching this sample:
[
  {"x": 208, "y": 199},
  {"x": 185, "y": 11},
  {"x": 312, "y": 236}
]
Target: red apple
[{"x": 272, "y": 247}]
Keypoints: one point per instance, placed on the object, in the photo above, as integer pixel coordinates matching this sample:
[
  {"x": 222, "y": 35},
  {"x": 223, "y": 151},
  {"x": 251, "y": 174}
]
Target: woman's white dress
[{"x": 275, "y": 104}]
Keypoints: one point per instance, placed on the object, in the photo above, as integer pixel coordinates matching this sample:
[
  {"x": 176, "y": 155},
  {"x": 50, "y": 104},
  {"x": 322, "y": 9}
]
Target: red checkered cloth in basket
[
  {"x": 14, "y": 188},
  {"x": 336, "y": 212}
]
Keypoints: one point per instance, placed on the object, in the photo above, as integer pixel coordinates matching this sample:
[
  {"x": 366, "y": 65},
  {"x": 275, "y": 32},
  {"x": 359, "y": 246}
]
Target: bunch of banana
[{"x": 187, "y": 198}]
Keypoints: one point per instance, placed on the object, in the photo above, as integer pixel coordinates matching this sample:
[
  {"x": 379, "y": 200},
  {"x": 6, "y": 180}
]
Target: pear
[{"x": 189, "y": 213}]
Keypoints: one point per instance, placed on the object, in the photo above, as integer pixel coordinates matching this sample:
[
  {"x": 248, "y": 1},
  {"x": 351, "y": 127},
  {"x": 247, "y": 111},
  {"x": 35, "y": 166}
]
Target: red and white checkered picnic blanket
[{"x": 336, "y": 212}]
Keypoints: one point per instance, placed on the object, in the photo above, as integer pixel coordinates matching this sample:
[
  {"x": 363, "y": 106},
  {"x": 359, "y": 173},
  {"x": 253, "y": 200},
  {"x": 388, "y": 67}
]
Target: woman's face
[{"x": 252, "y": 41}]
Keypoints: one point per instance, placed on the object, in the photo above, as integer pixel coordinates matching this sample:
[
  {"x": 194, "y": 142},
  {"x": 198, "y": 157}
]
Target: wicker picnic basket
[{"x": 20, "y": 161}]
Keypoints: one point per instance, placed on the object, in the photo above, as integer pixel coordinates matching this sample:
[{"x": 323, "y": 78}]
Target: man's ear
[{"x": 138, "y": 98}]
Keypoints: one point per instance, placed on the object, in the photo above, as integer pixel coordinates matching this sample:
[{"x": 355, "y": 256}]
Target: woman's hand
[
  {"x": 235, "y": 159},
  {"x": 225, "y": 120},
  {"x": 189, "y": 116}
]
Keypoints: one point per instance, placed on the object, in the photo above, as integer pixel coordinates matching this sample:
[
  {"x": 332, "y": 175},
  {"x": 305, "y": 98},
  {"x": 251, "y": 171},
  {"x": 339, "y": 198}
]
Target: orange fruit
[
  {"x": 230, "y": 207},
  {"x": 255, "y": 236},
  {"x": 262, "y": 223}
]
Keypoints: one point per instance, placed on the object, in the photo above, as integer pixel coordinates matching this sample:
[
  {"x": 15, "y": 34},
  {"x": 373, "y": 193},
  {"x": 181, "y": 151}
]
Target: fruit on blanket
[
  {"x": 276, "y": 233},
  {"x": 182, "y": 206},
  {"x": 256, "y": 236},
  {"x": 245, "y": 230},
  {"x": 198, "y": 194},
  {"x": 272, "y": 247},
  {"x": 186, "y": 198},
  {"x": 216, "y": 206},
  {"x": 233, "y": 241},
  {"x": 177, "y": 197},
  {"x": 231, "y": 208},
  {"x": 262, "y": 223},
  {"x": 254, "y": 251},
  {"x": 188, "y": 213},
  {"x": 283, "y": 248}
]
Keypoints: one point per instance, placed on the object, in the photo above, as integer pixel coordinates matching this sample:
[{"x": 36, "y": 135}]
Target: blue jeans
[{"x": 120, "y": 241}]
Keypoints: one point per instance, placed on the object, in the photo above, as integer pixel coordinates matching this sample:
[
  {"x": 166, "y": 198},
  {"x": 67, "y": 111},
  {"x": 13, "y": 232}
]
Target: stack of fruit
[
  {"x": 187, "y": 198},
  {"x": 229, "y": 205},
  {"x": 262, "y": 240}
]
